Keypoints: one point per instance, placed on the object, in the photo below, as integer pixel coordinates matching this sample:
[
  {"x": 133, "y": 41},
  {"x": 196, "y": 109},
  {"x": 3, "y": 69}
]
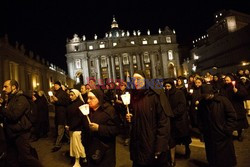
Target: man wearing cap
[
  {"x": 216, "y": 120},
  {"x": 60, "y": 100}
]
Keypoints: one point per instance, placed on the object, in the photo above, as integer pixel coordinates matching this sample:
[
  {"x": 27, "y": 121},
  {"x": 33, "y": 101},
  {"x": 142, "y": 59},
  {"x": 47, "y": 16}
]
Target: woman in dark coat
[
  {"x": 195, "y": 97},
  {"x": 179, "y": 123},
  {"x": 150, "y": 124},
  {"x": 104, "y": 127},
  {"x": 217, "y": 119},
  {"x": 236, "y": 93},
  {"x": 43, "y": 112}
]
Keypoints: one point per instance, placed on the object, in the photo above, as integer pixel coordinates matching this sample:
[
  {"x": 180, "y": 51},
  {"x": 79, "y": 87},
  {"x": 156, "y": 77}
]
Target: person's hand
[
  {"x": 128, "y": 117},
  {"x": 118, "y": 101},
  {"x": 235, "y": 89},
  {"x": 93, "y": 126},
  {"x": 157, "y": 154},
  {"x": 55, "y": 98}
]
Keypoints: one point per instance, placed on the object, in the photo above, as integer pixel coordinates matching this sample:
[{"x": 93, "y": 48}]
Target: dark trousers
[{"x": 18, "y": 153}]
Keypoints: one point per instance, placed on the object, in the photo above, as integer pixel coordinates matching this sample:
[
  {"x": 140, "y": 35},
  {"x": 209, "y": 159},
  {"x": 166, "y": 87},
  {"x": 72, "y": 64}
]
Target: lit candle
[
  {"x": 85, "y": 111},
  {"x": 50, "y": 93}
]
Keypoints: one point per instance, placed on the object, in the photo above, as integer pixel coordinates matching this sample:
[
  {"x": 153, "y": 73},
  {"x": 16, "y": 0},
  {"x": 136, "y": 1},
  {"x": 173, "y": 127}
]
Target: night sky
[{"x": 43, "y": 26}]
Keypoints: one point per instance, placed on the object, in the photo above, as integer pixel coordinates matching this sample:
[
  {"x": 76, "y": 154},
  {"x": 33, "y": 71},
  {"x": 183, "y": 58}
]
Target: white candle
[{"x": 85, "y": 110}]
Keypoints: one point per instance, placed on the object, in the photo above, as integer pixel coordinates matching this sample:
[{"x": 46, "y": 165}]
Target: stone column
[
  {"x": 98, "y": 68},
  {"x": 70, "y": 63},
  {"x": 121, "y": 67},
  {"x": 85, "y": 69},
  {"x": 6, "y": 68},
  {"x": 164, "y": 56},
  {"x": 142, "y": 62},
  {"x": 21, "y": 77},
  {"x": 131, "y": 65},
  {"x": 113, "y": 67},
  {"x": 138, "y": 61},
  {"x": 153, "y": 65},
  {"x": 109, "y": 67}
]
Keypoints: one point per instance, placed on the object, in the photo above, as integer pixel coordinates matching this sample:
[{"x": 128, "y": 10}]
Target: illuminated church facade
[{"x": 120, "y": 53}]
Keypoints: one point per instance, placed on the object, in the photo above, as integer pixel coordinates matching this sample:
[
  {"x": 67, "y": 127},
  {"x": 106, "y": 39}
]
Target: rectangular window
[
  {"x": 116, "y": 61},
  {"x": 134, "y": 59},
  {"x": 146, "y": 57},
  {"x": 170, "y": 55},
  {"x": 125, "y": 60},
  {"x": 91, "y": 47},
  {"x": 103, "y": 62},
  {"x": 102, "y": 45},
  {"x": 168, "y": 39},
  {"x": 132, "y": 42},
  {"x": 91, "y": 63},
  {"x": 155, "y": 41},
  {"x": 114, "y": 44},
  {"x": 78, "y": 63},
  {"x": 76, "y": 48},
  {"x": 144, "y": 42}
]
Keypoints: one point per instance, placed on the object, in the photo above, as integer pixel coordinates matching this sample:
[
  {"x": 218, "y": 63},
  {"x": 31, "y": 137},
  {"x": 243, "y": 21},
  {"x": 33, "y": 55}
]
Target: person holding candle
[
  {"x": 75, "y": 123},
  {"x": 236, "y": 93},
  {"x": 103, "y": 129},
  {"x": 150, "y": 124}
]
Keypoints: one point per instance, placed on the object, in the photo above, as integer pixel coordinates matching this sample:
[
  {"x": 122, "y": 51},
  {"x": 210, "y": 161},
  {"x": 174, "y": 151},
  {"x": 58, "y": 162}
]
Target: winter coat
[
  {"x": 150, "y": 131},
  {"x": 108, "y": 122},
  {"x": 179, "y": 123},
  {"x": 237, "y": 100},
  {"x": 195, "y": 96},
  {"x": 15, "y": 120},
  {"x": 43, "y": 114},
  {"x": 217, "y": 120},
  {"x": 75, "y": 117},
  {"x": 60, "y": 106}
]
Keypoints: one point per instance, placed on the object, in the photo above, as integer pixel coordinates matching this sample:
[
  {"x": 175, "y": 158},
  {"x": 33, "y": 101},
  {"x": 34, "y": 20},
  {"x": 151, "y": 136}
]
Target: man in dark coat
[
  {"x": 217, "y": 119},
  {"x": 17, "y": 126},
  {"x": 60, "y": 100},
  {"x": 150, "y": 123}
]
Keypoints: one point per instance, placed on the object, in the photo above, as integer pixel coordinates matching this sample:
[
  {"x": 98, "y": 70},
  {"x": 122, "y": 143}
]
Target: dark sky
[{"x": 43, "y": 26}]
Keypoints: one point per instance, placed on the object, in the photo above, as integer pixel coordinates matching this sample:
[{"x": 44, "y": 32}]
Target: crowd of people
[{"x": 157, "y": 119}]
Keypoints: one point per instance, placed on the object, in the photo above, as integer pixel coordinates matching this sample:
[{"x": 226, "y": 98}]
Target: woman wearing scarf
[
  {"x": 150, "y": 124},
  {"x": 75, "y": 122},
  {"x": 103, "y": 130}
]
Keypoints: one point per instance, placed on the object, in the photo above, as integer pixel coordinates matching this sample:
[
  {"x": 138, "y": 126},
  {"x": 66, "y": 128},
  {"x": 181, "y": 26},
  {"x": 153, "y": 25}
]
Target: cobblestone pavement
[{"x": 197, "y": 159}]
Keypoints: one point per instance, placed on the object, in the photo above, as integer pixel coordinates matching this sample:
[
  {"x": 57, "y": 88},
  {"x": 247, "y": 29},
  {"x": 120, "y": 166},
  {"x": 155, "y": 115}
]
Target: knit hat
[
  {"x": 99, "y": 95},
  {"x": 58, "y": 83},
  {"x": 77, "y": 93}
]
